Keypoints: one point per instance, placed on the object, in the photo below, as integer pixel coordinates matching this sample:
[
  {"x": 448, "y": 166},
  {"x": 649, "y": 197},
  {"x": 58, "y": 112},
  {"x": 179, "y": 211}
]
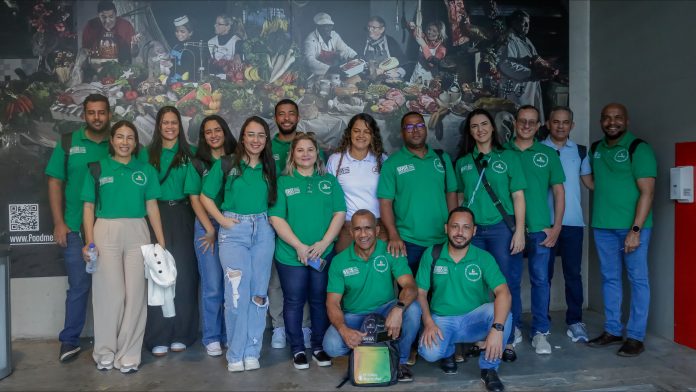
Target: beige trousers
[{"x": 119, "y": 292}]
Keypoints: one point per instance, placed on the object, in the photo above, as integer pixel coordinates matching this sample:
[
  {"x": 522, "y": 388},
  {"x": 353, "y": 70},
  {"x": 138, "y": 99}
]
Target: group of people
[{"x": 264, "y": 223}]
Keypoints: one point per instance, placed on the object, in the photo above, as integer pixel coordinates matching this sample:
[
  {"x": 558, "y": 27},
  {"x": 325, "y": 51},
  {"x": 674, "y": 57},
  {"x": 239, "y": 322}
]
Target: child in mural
[
  {"x": 432, "y": 50},
  {"x": 188, "y": 56}
]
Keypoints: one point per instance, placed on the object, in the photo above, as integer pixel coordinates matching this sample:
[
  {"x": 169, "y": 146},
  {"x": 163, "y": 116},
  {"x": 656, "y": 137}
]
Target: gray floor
[{"x": 664, "y": 366}]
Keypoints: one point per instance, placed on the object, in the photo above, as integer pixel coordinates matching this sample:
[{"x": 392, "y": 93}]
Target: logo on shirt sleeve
[
  {"x": 350, "y": 271},
  {"x": 325, "y": 187},
  {"x": 380, "y": 263},
  {"x": 139, "y": 178},
  {"x": 473, "y": 272},
  {"x": 403, "y": 169},
  {"x": 292, "y": 191},
  {"x": 437, "y": 163},
  {"x": 621, "y": 155},
  {"x": 540, "y": 159},
  {"x": 499, "y": 167}
]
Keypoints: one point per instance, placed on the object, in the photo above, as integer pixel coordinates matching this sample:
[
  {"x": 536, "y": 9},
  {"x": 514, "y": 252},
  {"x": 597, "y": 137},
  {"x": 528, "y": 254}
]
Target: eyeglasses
[
  {"x": 222, "y": 24},
  {"x": 373, "y": 28},
  {"x": 409, "y": 128},
  {"x": 526, "y": 123}
]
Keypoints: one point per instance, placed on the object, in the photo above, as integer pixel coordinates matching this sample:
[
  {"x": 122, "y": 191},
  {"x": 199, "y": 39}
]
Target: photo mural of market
[{"x": 442, "y": 58}]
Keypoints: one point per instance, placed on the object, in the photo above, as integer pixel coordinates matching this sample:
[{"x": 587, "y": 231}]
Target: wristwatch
[
  {"x": 400, "y": 305},
  {"x": 635, "y": 229},
  {"x": 498, "y": 327}
]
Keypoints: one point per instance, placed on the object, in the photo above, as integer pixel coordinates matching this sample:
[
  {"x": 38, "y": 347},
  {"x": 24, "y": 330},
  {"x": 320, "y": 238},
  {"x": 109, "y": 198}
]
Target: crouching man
[
  {"x": 361, "y": 281},
  {"x": 460, "y": 277}
]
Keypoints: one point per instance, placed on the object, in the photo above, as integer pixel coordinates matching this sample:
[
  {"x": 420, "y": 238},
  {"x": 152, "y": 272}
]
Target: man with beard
[
  {"x": 88, "y": 144},
  {"x": 460, "y": 277},
  {"x": 624, "y": 172},
  {"x": 324, "y": 48},
  {"x": 109, "y": 36},
  {"x": 361, "y": 281}
]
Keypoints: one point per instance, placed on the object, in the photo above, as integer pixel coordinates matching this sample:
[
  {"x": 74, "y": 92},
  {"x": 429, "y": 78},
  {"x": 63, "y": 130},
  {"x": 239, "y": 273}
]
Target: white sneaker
[
  {"x": 540, "y": 343},
  {"x": 251, "y": 364},
  {"x": 127, "y": 369},
  {"x": 307, "y": 334},
  {"x": 160, "y": 351},
  {"x": 105, "y": 365},
  {"x": 213, "y": 349},
  {"x": 235, "y": 366},
  {"x": 518, "y": 337},
  {"x": 278, "y": 340},
  {"x": 177, "y": 347}
]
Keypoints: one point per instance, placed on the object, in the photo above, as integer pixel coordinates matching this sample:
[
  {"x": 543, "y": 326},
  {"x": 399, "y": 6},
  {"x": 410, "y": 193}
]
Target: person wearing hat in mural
[
  {"x": 324, "y": 48},
  {"x": 186, "y": 54}
]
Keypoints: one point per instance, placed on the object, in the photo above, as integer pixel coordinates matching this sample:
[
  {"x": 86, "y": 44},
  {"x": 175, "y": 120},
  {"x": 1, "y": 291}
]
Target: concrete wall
[{"x": 642, "y": 56}]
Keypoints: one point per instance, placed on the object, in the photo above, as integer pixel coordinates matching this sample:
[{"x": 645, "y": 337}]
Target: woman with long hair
[
  {"x": 500, "y": 227},
  {"x": 307, "y": 217},
  {"x": 431, "y": 43},
  {"x": 126, "y": 191},
  {"x": 356, "y": 164},
  {"x": 214, "y": 141},
  {"x": 170, "y": 154},
  {"x": 246, "y": 239}
]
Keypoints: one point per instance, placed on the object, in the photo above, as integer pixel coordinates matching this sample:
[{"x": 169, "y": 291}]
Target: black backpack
[
  {"x": 202, "y": 168},
  {"x": 631, "y": 148},
  {"x": 375, "y": 362}
]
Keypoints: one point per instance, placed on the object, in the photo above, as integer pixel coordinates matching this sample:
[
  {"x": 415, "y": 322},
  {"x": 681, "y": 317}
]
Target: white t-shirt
[{"x": 359, "y": 179}]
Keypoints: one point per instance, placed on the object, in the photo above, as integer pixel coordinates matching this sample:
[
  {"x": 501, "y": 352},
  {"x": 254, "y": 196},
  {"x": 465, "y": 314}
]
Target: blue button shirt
[{"x": 573, "y": 169}]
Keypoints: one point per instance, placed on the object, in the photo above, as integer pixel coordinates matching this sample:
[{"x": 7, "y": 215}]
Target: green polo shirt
[
  {"x": 173, "y": 186},
  {"x": 459, "y": 287},
  {"x": 245, "y": 192},
  {"x": 365, "y": 285},
  {"x": 503, "y": 172},
  {"x": 542, "y": 169},
  {"x": 616, "y": 192},
  {"x": 280, "y": 153},
  {"x": 82, "y": 151},
  {"x": 194, "y": 184},
  {"x": 308, "y": 205},
  {"x": 417, "y": 188},
  {"x": 124, "y": 189}
]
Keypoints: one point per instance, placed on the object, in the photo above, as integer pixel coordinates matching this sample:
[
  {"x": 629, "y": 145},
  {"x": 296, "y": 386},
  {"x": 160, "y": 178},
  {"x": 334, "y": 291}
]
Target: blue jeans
[
  {"x": 538, "y": 258},
  {"x": 467, "y": 328},
  {"x": 246, "y": 250},
  {"x": 610, "y": 245},
  {"x": 496, "y": 240},
  {"x": 335, "y": 346},
  {"x": 212, "y": 287},
  {"x": 79, "y": 284},
  {"x": 302, "y": 284},
  {"x": 413, "y": 255},
  {"x": 569, "y": 247}
]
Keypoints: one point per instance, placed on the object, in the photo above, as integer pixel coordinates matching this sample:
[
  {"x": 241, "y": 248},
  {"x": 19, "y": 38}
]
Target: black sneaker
[
  {"x": 491, "y": 380},
  {"x": 448, "y": 365},
  {"x": 405, "y": 374},
  {"x": 299, "y": 360},
  {"x": 68, "y": 352},
  {"x": 321, "y": 358}
]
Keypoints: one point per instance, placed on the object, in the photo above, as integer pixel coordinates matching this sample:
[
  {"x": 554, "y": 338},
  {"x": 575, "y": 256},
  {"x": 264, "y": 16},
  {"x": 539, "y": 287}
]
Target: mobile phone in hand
[{"x": 317, "y": 263}]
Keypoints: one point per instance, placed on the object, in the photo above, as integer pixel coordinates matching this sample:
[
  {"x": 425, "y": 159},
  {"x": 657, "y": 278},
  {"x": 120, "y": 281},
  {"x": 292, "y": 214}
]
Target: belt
[{"x": 174, "y": 202}]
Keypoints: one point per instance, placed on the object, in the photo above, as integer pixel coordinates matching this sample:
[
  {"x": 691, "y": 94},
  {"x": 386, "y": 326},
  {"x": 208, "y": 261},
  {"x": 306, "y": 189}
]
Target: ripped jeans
[{"x": 246, "y": 255}]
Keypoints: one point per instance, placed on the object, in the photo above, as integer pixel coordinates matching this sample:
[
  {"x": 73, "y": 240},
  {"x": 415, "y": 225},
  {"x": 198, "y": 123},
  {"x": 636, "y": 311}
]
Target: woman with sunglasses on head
[
  {"x": 307, "y": 217},
  {"x": 246, "y": 239},
  {"x": 500, "y": 227},
  {"x": 126, "y": 191},
  {"x": 214, "y": 141},
  {"x": 170, "y": 154},
  {"x": 356, "y": 164}
]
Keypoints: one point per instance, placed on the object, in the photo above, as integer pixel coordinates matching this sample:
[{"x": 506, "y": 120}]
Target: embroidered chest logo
[
  {"x": 441, "y": 270},
  {"x": 621, "y": 155},
  {"x": 276, "y": 157},
  {"x": 375, "y": 169},
  {"x": 540, "y": 159},
  {"x": 292, "y": 191},
  {"x": 139, "y": 178},
  {"x": 106, "y": 180},
  {"x": 499, "y": 167},
  {"x": 380, "y": 263},
  {"x": 437, "y": 163},
  {"x": 473, "y": 273},
  {"x": 597, "y": 155},
  {"x": 350, "y": 271},
  {"x": 325, "y": 187},
  {"x": 78, "y": 150},
  {"x": 467, "y": 167},
  {"x": 405, "y": 169},
  {"x": 344, "y": 170}
]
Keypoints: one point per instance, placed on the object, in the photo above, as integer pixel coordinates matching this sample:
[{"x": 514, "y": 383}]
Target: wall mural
[{"x": 441, "y": 58}]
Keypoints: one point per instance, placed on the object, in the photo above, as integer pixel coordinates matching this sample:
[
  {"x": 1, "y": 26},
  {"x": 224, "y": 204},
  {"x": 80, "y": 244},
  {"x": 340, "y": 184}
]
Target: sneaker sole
[
  {"x": 253, "y": 367},
  {"x": 66, "y": 356},
  {"x": 300, "y": 367},
  {"x": 214, "y": 353},
  {"x": 575, "y": 339},
  {"x": 406, "y": 380},
  {"x": 274, "y": 345},
  {"x": 105, "y": 367},
  {"x": 235, "y": 370},
  {"x": 322, "y": 363}
]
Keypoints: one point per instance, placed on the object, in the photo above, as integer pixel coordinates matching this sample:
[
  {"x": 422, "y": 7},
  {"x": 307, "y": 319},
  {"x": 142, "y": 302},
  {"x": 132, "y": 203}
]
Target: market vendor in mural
[
  {"x": 187, "y": 54},
  {"x": 109, "y": 36},
  {"x": 382, "y": 52},
  {"x": 324, "y": 48}
]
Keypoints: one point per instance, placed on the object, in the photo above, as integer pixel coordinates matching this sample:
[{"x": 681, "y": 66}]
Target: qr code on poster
[{"x": 24, "y": 217}]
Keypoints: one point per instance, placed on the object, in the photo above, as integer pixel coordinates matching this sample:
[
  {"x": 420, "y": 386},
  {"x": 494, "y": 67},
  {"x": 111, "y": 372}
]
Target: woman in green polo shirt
[
  {"x": 246, "y": 239},
  {"x": 308, "y": 216},
  {"x": 214, "y": 141},
  {"x": 499, "y": 224},
  {"x": 127, "y": 191},
  {"x": 170, "y": 154}
]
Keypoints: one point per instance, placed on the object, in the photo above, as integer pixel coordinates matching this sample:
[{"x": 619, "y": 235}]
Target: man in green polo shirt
[
  {"x": 88, "y": 144},
  {"x": 460, "y": 278},
  {"x": 417, "y": 188},
  {"x": 624, "y": 172},
  {"x": 543, "y": 170},
  {"x": 361, "y": 281}
]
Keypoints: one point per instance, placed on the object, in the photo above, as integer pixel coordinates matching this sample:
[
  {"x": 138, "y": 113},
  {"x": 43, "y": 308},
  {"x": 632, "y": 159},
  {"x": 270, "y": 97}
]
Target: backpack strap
[
  {"x": 633, "y": 146},
  {"x": 582, "y": 152},
  {"x": 66, "y": 145},
  {"x": 226, "y": 165},
  {"x": 95, "y": 171},
  {"x": 593, "y": 147},
  {"x": 199, "y": 165},
  {"x": 509, "y": 221},
  {"x": 440, "y": 153},
  {"x": 435, "y": 254}
]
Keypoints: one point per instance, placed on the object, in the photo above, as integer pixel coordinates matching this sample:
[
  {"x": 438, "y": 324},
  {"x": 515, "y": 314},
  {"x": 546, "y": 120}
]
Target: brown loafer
[
  {"x": 605, "y": 339},
  {"x": 631, "y": 348}
]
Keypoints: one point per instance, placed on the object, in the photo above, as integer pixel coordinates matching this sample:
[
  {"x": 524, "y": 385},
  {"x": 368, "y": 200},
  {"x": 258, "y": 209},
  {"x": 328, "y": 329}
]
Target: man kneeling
[
  {"x": 361, "y": 281},
  {"x": 460, "y": 279}
]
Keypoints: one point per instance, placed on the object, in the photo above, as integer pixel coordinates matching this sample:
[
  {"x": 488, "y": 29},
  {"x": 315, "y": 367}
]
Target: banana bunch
[
  {"x": 275, "y": 24},
  {"x": 252, "y": 74}
]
